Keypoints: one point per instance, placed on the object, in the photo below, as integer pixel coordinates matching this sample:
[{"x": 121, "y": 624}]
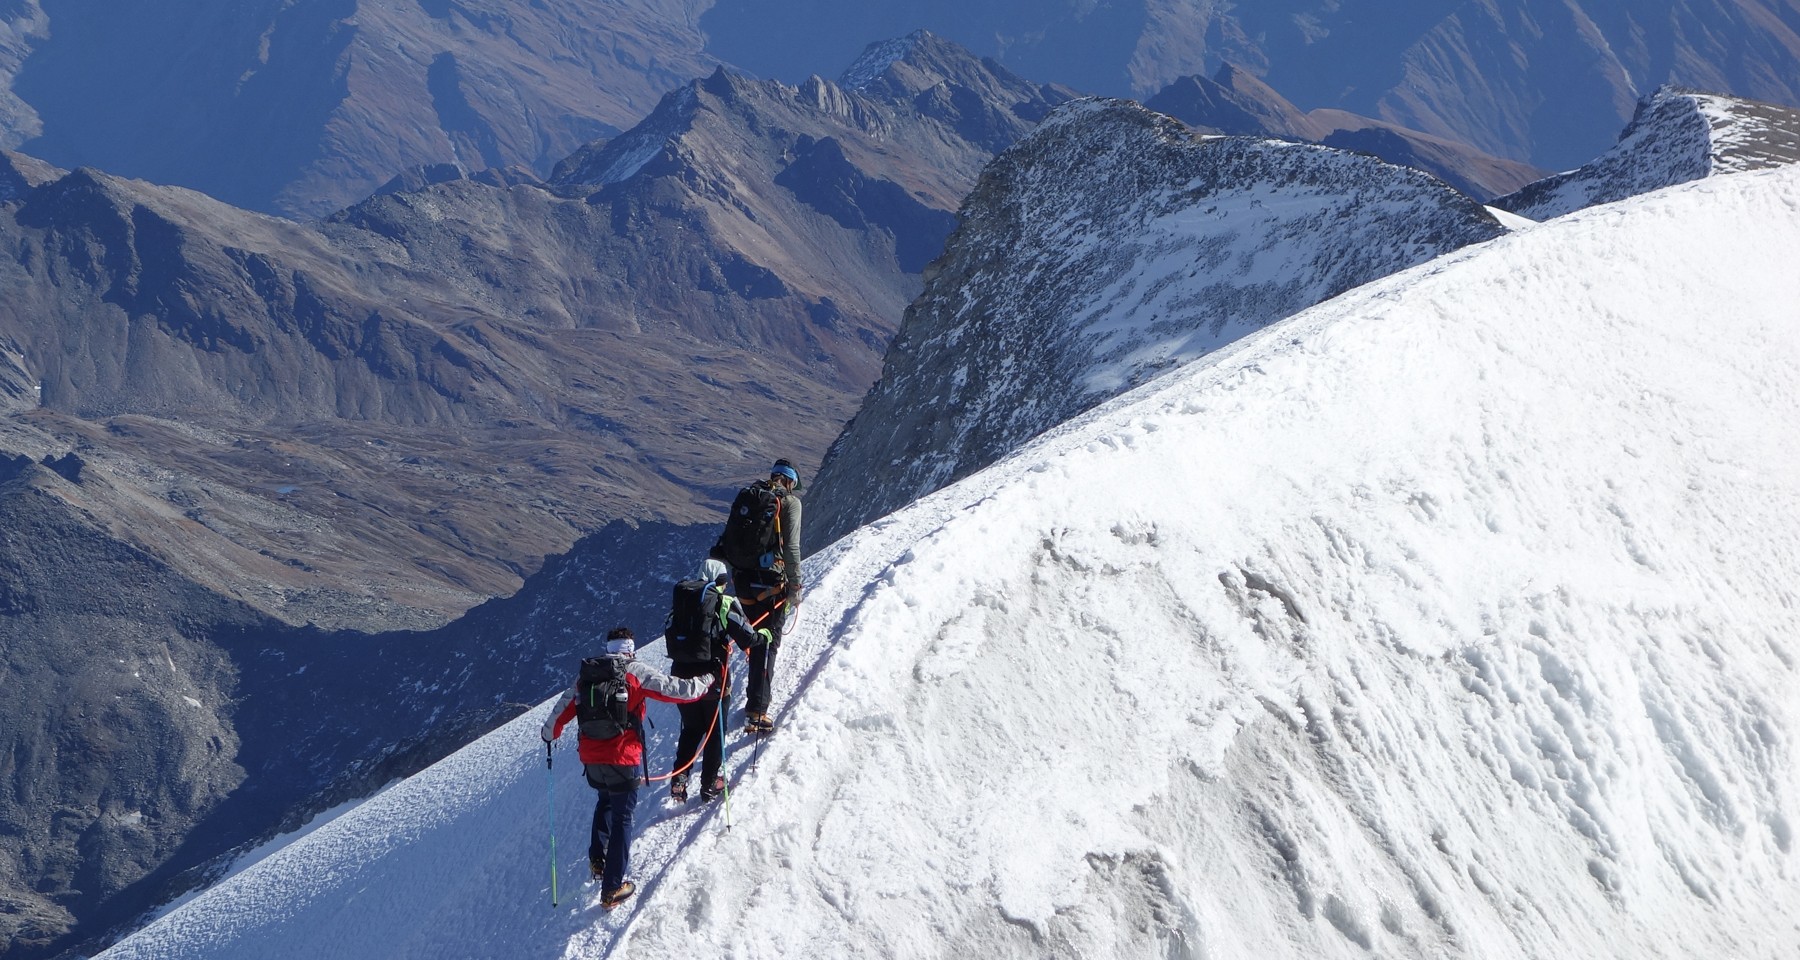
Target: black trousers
[
  {"x": 769, "y": 613},
  {"x": 697, "y": 719}
]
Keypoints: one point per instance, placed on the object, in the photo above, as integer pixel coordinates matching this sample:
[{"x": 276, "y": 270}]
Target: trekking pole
[{"x": 550, "y": 780}]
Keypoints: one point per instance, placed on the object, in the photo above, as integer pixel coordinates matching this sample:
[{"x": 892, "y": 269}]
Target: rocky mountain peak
[
  {"x": 1234, "y": 102},
  {"x": 982, "y": 100},
  {"x": 19, "y": 174},
  {"x": 1675, "y": 135},
  {"x": 878, "y": 58},
  {"x": 1109, "y": 246}
]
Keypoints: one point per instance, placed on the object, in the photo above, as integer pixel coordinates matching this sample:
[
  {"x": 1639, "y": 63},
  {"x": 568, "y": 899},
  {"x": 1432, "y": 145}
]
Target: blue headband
[{"x": 783, "y": 470}]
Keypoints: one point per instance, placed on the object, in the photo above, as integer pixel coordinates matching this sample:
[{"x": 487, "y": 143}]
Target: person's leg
[
  {"x": 696, "y": 718},
  {"x": 766, "y": 674},
  {"x": 756, "y": 679},
  {"x": 764, "y": 613},
  {"x": 597, "y": 837},
  {"x": 714, "y": 754},
  {"x": 622, "y": 805}
]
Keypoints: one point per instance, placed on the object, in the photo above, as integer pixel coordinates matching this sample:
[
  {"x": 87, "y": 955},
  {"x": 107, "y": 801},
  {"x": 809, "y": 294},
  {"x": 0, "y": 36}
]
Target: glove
[
  {"x": 710, "y": 680},
  {"x": 794, "y": 589},
  {"x": 546, "y": 737},
  {"x": 767, "y": 637}
]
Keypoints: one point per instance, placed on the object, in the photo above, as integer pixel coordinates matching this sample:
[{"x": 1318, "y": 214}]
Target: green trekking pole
[
  {"x": 550, "y": 780},
  {"x": 719, "y": 730}
]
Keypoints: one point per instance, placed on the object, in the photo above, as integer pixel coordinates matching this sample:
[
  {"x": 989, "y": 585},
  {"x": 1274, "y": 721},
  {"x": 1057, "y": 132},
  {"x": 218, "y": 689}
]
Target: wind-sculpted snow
[
  {"x": 1676, "y": 136},
  {"x": 1454, "y": 618},
  {"x": 1106, "y": 248}
]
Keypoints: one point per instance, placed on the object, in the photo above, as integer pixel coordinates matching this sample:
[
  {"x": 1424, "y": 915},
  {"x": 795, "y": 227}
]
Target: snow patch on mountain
[
  {"x": 629, "y": 152},
  {"x": 1108, "y": 247},
  {"x": 1675, "y": 137},
  {"x": 876, "y": 60}
]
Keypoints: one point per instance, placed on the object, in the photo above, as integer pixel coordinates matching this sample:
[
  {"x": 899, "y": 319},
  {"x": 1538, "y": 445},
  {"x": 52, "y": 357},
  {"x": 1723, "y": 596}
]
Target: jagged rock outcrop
[
  {"x": 1235, "y": 103},
  {"x": 1676, "y": 136},
  {"x": 1111, "y": 245}
]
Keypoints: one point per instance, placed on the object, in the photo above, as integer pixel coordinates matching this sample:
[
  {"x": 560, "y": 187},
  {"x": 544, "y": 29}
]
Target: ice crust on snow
[{"x": 1453, "y": 617}]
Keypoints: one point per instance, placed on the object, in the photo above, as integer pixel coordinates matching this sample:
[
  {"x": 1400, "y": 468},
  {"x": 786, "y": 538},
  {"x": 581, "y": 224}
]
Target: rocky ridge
[
  {"x": 1109, "y": 246},
  {"x": 1676, "y": 136}
]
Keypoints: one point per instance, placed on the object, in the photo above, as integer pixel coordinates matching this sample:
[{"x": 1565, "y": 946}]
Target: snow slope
[{"x": 1454, "y": 617}]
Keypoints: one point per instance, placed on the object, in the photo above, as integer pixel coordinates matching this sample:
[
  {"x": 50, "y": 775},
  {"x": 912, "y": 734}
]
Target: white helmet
[{"x": 712, "y": 570}]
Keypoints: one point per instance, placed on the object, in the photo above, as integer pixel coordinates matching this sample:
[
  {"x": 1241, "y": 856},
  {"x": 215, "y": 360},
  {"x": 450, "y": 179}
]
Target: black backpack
[
  {"x": 752, "y": 537},
  {"x": 603, "y": 699},
  {"x": 692, "y": 633}
]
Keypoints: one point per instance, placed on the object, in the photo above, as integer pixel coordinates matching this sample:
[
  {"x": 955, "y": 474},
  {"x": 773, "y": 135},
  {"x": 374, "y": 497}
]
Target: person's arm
[
  {"x": 739, "y": 629},
  {"x": 790, "y": 542},
  {"x": 661, "y": 686},
  {"x": 553, "y": 724}
]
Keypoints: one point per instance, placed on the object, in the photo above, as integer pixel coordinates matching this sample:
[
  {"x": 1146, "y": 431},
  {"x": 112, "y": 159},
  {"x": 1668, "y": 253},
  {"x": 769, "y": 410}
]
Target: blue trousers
[{"x": 610, "y": 845}]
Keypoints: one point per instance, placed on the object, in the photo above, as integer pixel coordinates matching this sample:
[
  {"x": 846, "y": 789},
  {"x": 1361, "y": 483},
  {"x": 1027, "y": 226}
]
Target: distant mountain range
[
  {"x": 304, "y": 108},
  {"x": 1235, "y": 103},
  {"x": 1546, "y": 82}
]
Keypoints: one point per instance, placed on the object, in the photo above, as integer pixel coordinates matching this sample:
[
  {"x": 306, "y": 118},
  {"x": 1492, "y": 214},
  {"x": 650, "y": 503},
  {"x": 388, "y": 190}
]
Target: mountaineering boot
[
  {"x": 678, "y": 788},
  {"x": 758, "y": 723},
  {"x": 618, "y": 895},
  {"x": 712, "y": 790}
]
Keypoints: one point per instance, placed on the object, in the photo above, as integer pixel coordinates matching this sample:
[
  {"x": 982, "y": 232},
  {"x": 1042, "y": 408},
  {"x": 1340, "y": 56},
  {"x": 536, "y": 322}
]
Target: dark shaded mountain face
[
  {"x": 1237, "y": 104},
  {"x": 155, "y": 726},
  {"x": 1539, "y": 81},
  {"x": 1107, "y": 247},
  {"x": 1676, "y": 136},
  {"x": 302, "y": 108},
  {"x": 286, "y": 437}
]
